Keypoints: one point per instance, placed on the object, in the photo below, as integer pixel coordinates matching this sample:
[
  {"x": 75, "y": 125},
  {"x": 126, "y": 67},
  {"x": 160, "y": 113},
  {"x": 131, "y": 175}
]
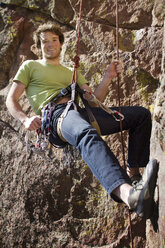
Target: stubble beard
[{"x": 53, "y": 57}]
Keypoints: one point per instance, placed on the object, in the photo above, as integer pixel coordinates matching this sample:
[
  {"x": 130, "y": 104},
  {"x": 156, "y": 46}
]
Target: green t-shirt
[{"x": 43, "y": 81}]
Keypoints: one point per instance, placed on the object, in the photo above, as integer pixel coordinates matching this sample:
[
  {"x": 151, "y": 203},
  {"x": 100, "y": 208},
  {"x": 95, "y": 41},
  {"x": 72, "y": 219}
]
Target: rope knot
[{"x": 76, "y": 61}]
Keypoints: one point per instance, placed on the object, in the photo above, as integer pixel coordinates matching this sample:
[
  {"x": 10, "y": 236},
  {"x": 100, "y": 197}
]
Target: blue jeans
[{"x": 78, "y": 132}]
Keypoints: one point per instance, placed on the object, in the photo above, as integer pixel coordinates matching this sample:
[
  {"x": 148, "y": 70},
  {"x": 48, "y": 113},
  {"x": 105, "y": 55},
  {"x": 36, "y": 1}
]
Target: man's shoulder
[
  {"x": 30, "y": 62},
  {"x": 71, "y": 68},
  {"x": 31, "y": 65},
  {"x": 66, "y": 67}
]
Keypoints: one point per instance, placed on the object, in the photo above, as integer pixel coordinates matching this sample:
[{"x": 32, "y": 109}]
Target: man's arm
[
  {"x": 15, "y": 109},
  {"x": 102, "y": 89}
]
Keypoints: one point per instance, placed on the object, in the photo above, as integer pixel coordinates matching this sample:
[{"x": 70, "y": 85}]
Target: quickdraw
[{"x": 43, "y": 133}]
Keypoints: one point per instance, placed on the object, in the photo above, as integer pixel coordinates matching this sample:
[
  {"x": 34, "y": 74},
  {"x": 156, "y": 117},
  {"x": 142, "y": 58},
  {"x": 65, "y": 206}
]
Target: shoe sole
[{"x": 146, "y": 198}]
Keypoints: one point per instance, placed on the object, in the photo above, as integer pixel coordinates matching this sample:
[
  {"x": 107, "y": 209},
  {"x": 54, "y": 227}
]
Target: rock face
[
  {"x": 157, "y": 149},
  {"x": 52, "y": 199}
]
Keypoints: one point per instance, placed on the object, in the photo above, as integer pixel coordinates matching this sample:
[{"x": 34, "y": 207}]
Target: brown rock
[{"x": 45, "y": 203}]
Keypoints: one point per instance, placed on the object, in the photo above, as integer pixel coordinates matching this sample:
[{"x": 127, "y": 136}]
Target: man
[{"x": 43, "y": 79}]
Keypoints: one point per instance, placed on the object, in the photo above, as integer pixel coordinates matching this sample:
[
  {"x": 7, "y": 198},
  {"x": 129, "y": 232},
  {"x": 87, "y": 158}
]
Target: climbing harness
[
  {"x": 86, "y": 101},
  {"x": 73, "y": 90}
]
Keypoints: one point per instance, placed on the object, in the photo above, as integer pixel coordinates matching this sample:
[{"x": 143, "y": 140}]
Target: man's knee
[{"x": 145, "y": 113}]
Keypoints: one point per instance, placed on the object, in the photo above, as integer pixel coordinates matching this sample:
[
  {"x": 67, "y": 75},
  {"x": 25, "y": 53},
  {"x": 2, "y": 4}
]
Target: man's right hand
[
  {"x": 16, "y": 90},
  {"x": 32, "y": 123}
]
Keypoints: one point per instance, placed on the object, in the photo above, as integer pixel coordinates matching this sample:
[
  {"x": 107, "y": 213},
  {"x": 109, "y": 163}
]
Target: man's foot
[{"x": 141, "y": 195}]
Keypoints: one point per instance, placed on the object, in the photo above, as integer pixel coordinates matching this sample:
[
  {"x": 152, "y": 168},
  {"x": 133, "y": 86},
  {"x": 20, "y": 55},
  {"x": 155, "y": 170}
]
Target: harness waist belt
[{"x": 64, "y": 92}]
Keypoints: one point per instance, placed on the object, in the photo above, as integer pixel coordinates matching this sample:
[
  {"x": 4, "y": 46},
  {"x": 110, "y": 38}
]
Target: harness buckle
[
  {"x": 118, "y": 116},
  {"x": 64, "y": 91}
]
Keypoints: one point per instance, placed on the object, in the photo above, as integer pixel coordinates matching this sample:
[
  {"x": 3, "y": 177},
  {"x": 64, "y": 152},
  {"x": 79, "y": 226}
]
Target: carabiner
[{"x": 120, "y": 116}]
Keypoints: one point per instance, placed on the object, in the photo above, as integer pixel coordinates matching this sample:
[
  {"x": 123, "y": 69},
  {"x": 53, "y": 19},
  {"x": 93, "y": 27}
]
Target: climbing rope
[
  {"x": 118, "y": 84},
  {"x": 119, "y": 105},
  {"x": 76, "y": 58}
]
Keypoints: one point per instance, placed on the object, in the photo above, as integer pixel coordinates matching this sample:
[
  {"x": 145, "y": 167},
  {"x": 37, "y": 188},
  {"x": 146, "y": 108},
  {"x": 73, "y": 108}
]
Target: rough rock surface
[
  {"x": 45, "y": 201},
  {"x": 157, "y": 149}
]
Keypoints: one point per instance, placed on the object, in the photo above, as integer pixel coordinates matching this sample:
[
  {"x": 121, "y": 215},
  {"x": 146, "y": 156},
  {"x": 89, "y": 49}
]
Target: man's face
[{"x": 50, "y": 45}]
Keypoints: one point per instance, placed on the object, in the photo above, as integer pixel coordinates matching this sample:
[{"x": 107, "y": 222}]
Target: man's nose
[{"x": 49, "y": 44}]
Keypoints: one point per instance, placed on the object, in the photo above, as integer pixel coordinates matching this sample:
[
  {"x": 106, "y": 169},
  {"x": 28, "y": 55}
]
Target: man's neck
[{"x": 52, "y": 61}]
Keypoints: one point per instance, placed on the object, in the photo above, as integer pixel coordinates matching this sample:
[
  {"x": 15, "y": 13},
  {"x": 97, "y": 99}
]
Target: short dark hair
[{"x": 47, "y": 27}]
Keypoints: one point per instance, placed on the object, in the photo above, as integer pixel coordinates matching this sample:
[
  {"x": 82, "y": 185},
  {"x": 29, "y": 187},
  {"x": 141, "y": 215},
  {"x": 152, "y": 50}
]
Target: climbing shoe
[{"x": 141, "y": 196}]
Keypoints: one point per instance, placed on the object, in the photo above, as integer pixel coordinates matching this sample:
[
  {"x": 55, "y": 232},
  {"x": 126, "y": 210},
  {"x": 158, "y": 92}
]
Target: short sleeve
[{"x": 23, "y": 73}]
